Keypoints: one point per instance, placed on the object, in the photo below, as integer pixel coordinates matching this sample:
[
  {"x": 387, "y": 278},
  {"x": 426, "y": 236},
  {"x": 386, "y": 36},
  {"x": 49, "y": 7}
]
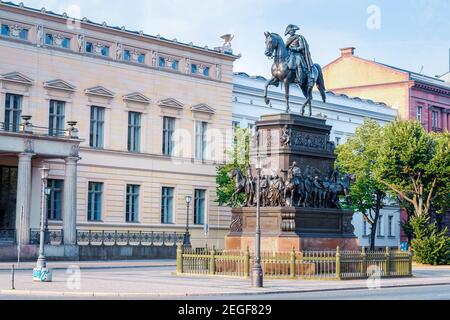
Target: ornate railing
[
  {"x": 52, "y": 236},
  {"x": 317, "y": 265},
  {"x": 111, "y": 238},
  {"x": 7, "y": 236},
  {"x": 133, "y": 238}
]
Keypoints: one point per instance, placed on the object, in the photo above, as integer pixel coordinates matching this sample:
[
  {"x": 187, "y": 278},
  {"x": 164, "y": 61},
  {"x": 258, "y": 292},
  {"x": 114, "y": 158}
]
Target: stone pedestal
[
  {"x": 281, "y": 140},
  {"x": 298, "y": 228},
  {"x": 309, "y": 143}
]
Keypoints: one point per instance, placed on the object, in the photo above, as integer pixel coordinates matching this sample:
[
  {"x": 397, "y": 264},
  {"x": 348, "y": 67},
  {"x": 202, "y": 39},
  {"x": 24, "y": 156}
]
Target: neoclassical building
[
  {"x": 129, "y": 124},
  {"x": 342, "y": 112}
]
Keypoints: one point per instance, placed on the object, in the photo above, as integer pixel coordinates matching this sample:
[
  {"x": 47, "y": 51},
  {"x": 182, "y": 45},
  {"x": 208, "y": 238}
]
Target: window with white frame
[
  {"x": 56, "y": 118},
  {"x": 200, "y": 140},
  {"x": 132, "y": 203},
  {"x": 13, "y": 112},
  {"x": 167, "y": 205}
]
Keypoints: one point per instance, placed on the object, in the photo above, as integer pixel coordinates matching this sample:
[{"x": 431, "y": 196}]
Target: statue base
[{"x": 284, "y": 228}]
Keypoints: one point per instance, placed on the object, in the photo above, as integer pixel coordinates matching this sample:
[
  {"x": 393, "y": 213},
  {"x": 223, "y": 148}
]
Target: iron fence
[
  {"x": 319, "y": 265},
  {"x": 7, "y": 235},
  {"x": 111, "y": 238}
]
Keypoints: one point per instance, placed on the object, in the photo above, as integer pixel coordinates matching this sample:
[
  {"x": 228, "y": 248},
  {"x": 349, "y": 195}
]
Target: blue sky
[{"x": 412, "y": 34}]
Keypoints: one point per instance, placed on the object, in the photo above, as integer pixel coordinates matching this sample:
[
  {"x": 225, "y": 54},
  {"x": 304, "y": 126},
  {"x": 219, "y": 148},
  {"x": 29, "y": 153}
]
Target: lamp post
[
  {"x": 257, "y": 275},
  {"x": 187, "y": 236},
  {"x": 41, "y": 273}
]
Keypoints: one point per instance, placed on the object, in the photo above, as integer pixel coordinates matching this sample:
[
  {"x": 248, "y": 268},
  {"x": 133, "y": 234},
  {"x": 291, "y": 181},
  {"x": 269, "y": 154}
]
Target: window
[
  {"x": 89, "y": 47},
  {"x": 56, "y": 118},
  {"x": 95, "y": 201},
  {"x": 175, "y": 64},
  {"x": 23, "y": 34},
  {"x": 162, "y": 62},
  {"x": 390, "y": 226},
  {"x": 105, "y": 51},
  {"x": 132, "y": 209},
  {"x": 337, "y": 140},
  {"x": 13, "y": 111},
  {"x": 380, "y": 225},
  {"x": 194, "y": 68},
  {"x": 126, "y": 55},
  {"x": 199, "y": 206},
  {"x": 167, "y": 143},
  {"x": 134, "y": 131},
  {"x": 5, "y": 30},
  {"x": 49, "y": 39},
  {"x": 419, "y": 114},
  {"x": 435, "y": 119},
  {"x": 200, "y": 140},
  {"x": 141, "y": 58},
  {"x": 66, "y": 43},
  {"x": 96, "y": 130},
  {"x": 206, "y": 72},
  {"x": 365, "y": 231},
  {"x": 54, "y": 199},
  {"x": 167, "y": 205}
]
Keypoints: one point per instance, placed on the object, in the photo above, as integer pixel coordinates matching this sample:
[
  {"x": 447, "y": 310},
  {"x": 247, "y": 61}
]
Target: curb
[{"x": 74, "y": 294}]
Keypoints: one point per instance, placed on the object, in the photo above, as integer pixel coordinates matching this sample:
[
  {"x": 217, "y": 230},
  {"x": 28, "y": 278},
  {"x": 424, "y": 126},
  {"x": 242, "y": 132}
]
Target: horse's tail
[{"x": 321, "y": 84}]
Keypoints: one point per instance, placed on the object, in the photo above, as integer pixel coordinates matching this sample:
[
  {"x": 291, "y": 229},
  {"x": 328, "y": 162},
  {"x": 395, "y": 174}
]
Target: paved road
[{"x": 441, "y": 292}]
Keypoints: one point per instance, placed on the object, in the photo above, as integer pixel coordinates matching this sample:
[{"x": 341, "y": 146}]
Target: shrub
[{"x": 429, "y": 245}]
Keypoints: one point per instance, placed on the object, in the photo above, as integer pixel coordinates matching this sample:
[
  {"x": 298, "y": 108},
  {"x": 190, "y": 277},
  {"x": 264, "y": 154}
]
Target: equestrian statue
[{"x": 293, "y": 65}]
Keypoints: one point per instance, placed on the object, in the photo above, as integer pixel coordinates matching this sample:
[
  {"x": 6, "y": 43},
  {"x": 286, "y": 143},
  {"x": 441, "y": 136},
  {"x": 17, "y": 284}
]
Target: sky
[{"x": 409, "y": 34}]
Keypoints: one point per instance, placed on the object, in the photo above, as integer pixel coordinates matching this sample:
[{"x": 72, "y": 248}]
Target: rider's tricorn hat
[{"x": 290, "y": 28}]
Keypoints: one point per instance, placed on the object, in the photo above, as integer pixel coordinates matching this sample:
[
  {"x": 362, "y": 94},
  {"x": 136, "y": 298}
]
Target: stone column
[
  {"x": 70, "y": 201},
  {"x": 23, "y": 198}
]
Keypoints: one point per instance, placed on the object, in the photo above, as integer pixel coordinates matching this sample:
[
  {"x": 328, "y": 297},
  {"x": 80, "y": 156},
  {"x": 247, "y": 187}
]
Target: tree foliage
[
  {"x": 414, "y": 164},
  {"x": 358, "y": 156},
  {"x": 239, "y": 157}
]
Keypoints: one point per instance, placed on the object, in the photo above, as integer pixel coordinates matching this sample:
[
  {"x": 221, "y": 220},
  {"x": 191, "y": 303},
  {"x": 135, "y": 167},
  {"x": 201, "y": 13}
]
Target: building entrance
[{"x": 8, "y": 194}]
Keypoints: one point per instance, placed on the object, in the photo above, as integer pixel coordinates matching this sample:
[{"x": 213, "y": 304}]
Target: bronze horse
[{"x": 276, "y": 48}]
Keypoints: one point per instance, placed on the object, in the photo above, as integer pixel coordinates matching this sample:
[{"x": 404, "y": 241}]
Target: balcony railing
[
  {"x": 26, "y": 127},
  {"x": 111, "y": 238}
]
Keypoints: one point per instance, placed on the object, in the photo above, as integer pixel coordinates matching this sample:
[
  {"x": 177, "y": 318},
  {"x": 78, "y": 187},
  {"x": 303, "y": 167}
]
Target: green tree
[
  {"x": 414, "y": 165},
  {"x": 358, "y": 156},
  {"x": 239, "y": 157}
]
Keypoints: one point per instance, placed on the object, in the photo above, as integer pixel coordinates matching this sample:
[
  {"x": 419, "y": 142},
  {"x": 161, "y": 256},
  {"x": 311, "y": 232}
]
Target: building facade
[
  {"x": 129, "y": 125},
  {"x": 415, "y": 96},
  {"x": 343, "y": 113}
]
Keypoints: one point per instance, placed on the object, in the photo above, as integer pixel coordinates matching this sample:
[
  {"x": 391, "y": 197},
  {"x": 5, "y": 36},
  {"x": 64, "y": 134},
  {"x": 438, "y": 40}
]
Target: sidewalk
[
  {"x": 157, "y": 280},
  {"x": 63, "y": 265}
]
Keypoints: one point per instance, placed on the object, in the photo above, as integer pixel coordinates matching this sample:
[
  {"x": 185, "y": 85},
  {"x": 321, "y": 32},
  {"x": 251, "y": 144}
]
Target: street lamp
[
  {"x": 41, "y": 273},
  {"x": 257, "y": 275},
  {"x": 187, "y": 236}
]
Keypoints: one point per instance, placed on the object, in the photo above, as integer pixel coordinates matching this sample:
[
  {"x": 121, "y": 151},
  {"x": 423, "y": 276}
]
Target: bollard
[
  {"x": 212, "y": 262},
  {"x": 179, "y": 258},
  {"x": 363, "y": 262},
  {"x": 387, "y": 266},
  {"x": 247, "y": 263},
  {"x": 292, "y": 263},
  {"x": 338, "y": 263},
  {"x": 12, "y": 278}
]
